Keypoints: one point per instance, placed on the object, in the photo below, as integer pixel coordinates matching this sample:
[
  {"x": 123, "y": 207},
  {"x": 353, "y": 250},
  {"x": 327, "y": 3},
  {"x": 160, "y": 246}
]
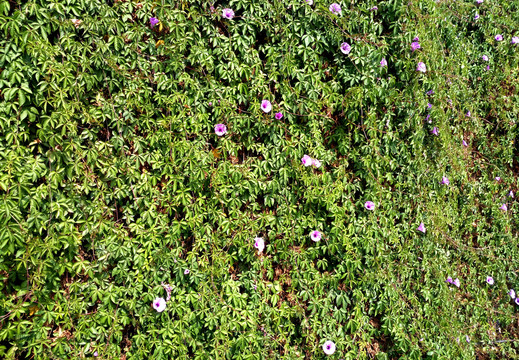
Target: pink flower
[
  {"x": 465, "y": 143},
  {"x": 278, "y": 115},
  {"x": 435, "y": 131},
  {"x": 515, "y": 40},
  {"x": 266, "y": 106},
  {"x": 421, "y": 67},
  {"x": 504, "y": 207},
  {"x": 329, "y": 347},
  {"x": 421, "y": 228},
  {"x": 220, "y": 129},
  {"x": 457, "y": 282},
  {"x": 345, "y": 48},
  {"x": 315, "y": 236},
  {"x": 445, "y": 180},
  {"x": 306, "y": 160},
  {"x": 490, "y": 280},
  {"x": 259, "y": 244},
  {"x": 383, "y": 62},
  {"x": 498, "y": 37},
  {"x": 186, "y": 271},
  {"x": 335, "y": 9},
  {"x": 316, "y": 163},
  {"x": 228, "y": 14},
  {"x": 415, "y": 46},
  {"x": 370, "y": 205},
  {"x": 485, "y": 58},
  {"x": 512, "y": 293},
  {"x": 511, "y": 194},
  {"x": 159, "y": 304}
]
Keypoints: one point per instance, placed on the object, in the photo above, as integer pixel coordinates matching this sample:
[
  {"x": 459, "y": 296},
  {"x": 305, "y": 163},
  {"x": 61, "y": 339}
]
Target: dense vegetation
[{"x": 114, "y": 186}]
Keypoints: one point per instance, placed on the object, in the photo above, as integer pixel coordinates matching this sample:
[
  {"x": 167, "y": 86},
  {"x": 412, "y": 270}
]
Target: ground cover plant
[{"x": 250, "y": 179}]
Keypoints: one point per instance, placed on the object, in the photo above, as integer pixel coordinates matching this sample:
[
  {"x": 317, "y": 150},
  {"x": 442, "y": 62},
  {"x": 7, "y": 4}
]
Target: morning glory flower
[
  {"x": 266, "y": 106},
  {"x": 504, "y": 207},
  {"x": 511, "y": 194},
  {"x": 77, "y": 22},
  {"x": 421, "y": 67},
  {"x": 335, "y": 8},
  {"x": 259, "y": 244},
  {"x": 370, "y": 205},
  {"x": 310, "y": 2},
  {"x": 220, "y": 129},
  {"x": 445, "y": 180},
  {"x": 228, "y": 14},
  {"x": 186, "y": 271},
  {"x": 421, "y": 227},
  {"x": 484, "y": 57},
  {"x": 416, "y": 38},
  {"x": 345, "y": 48},
  {"x": 428, "y": 118},
  {"x": 383, "y": 62},
  {"x": 517, "y": 300},
  {"x": 168, "y": 289},
  {"x": 498, "y": 37},
  {"x": 498, "y": 178},
  {"x": 467, "y": 114},
  {"x": 278, "y": 115},
  {"x": 449, "y": 280},
  {"x": 465, "y": 143},
  {"x": 430, "y": 92},
  {"x": 457, "y": 282},
  {"x": 466, "y": 336},
  {"x": 435, "y": 131},
  {"x": 490, "y": 280},
  {"x": 512, "y": 293},
  {"x": 374, "y": 8},
  {"x": 515, "y": 40},
  {"x": 415, "y": 46},
  {"x": 159, "y": 304},
  {"x": 329, "y": 347},
  {"x": 306, "y": 160},
  {"x": 316, "y": 163},
  {"x": 488, "y": 67},
  {"x": 153, "y": 21},
  {"x": 315, "y": 235},
  {"x": 476, "y": 16},
  {"x": 429, "y": 105}
]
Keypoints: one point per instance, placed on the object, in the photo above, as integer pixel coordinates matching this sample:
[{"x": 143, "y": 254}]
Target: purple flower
[
  {"x": 498, "y": 37},
  {"x": 515, "y": 40},
  {"x": 457, "y": 282},
  {"x": 153, "y": 22},
  {"x": 429, "y": 105},
  {"x": 220, "y": 129},
  {"x": 488, "y": 67},
  {"x": 306, "y": 160},
  {"x": 428, "y": 118},
  {"x": 316, "y": 163},
  {"x": 329, "y": 347},
  {"x": 416, "y": 38},
  {"x": 498, "y": 178},
  {"x": 466, "y": 336},
  {"x": 370, "y": 205},
  {"x": 511, "y": 194},
  {"x": 266, "y": 106},
  {"x": 259, "y": 244},
  {"x": 430, "y": 92},
  {"x": 374, "y": 8},
  {"x": 168, "y": 289},
  {"x": 449, "y": 280},
  {"x": 512, "y": 293},
  {"x": 315, "y": 235},
  {"x": 310, "y": 2},
  {"x": 96, "y": 354},
  {"x": 490, "y": 280},
  {"x": 445, "y": 180},
  {"x": 383, "y": 62},
  {"x": 467, "y": 114},
  {"x": 517, "y": 300},
  {"x": 415, "y": 46},
  {"x": 210, "y": 103},
  {"x": 465, "y": 143},
  {"x": 485, "y": 58},
  {"x": 476, "y": 16},
  {"x": 421, "y": 67},
  {"x": 421, "y": 227},
  {"x": 345, "y": 48},
  {"x": 504, "y": 207},
  {"x": 159, "y": 304},
  {"x": 228, "y": 14},
  {"x": 479, "y": 1},
  {"x": 435, "y": 131},
  {"x": 278, "y": 115},
  {"x": 335, "y": 8}
]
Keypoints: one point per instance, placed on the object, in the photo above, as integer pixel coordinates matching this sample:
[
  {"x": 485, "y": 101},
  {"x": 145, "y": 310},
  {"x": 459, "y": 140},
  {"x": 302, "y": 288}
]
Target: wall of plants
[{"x": 243, "y": 179}]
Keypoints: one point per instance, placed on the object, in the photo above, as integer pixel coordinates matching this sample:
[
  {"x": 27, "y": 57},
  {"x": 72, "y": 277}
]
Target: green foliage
[{"x": 112, "y": 180}]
